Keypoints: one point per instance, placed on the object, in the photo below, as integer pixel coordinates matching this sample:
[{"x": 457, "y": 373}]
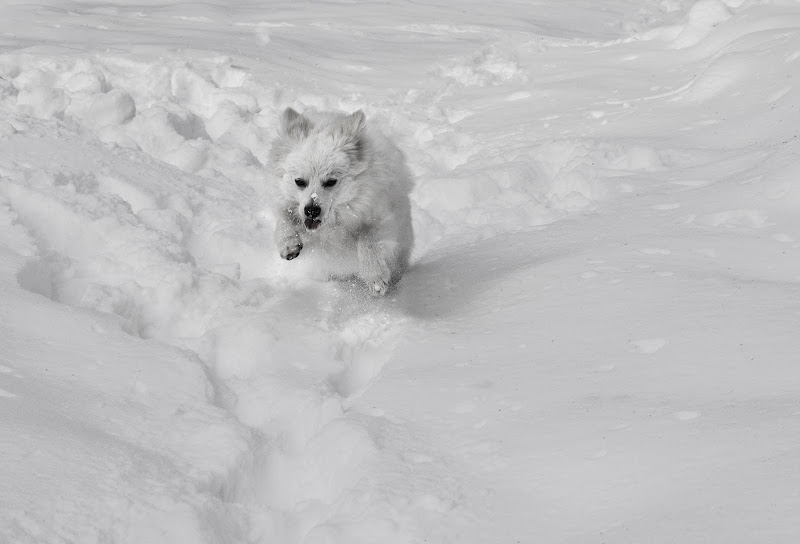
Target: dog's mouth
[{"x": 312, "y": 224}]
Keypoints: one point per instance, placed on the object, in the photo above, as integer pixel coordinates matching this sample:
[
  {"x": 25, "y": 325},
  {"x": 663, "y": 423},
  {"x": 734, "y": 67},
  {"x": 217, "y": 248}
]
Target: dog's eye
[
  {"x": 329, "y": 182},
  {"x": 300, "y": 182}
]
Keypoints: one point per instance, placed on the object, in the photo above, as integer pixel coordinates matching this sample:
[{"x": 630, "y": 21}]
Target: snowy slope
[{"x": 597, "y": 341}]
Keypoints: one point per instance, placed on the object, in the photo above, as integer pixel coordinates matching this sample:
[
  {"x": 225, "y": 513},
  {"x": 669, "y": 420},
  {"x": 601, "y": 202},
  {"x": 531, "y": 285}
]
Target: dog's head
[{"x": 317, "y": 161}]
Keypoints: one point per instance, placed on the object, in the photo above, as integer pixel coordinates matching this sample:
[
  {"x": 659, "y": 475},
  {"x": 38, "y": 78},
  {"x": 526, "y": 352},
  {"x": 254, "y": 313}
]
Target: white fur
[{"x": 365, "y": 229}]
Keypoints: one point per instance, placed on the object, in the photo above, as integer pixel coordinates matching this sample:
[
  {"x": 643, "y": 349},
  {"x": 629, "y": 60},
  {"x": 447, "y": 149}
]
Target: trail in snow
[
  {"x": 605, "y": 198},
  {"x": 95, "y": 252}
]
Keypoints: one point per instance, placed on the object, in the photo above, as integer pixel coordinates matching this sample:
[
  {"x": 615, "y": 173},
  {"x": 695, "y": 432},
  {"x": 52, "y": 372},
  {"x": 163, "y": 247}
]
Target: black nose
[{"x": 312, "y": 211}]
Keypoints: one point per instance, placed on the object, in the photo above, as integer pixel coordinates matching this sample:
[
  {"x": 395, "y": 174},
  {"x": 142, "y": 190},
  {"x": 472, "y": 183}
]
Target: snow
[{"x": 596, "y": 342}]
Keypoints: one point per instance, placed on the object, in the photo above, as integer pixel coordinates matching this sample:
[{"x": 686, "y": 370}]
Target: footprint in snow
[
  {"x": 655, "y": 251},
  {"x": 648, "y": 345},
  {"x": 666, "y": 206}
]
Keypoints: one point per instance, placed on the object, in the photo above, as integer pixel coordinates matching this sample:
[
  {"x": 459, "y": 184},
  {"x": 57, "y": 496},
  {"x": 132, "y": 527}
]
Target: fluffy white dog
[{"x": 341, "y": 197}]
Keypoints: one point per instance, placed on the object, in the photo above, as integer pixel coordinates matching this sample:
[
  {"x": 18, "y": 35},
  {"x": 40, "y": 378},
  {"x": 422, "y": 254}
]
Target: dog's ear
[
  {"x": 294, "y": 125},
  {"x": 353, "y": 127},
  {"x": 355, "y": 123}
]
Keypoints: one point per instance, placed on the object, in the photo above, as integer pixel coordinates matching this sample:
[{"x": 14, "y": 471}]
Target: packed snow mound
[
  {"x": 213, "y": 118},
  {"x": 702, "y": 18}
]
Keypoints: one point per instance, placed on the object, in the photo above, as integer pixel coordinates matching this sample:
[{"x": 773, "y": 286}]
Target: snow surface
[{"x": 597, "y": 342}]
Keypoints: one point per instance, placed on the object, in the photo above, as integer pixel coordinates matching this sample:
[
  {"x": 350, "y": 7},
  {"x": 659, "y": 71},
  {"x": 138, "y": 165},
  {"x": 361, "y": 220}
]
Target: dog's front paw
[
  {"x": 291, "y": 248},
  {"x": 378, "y": 286}
]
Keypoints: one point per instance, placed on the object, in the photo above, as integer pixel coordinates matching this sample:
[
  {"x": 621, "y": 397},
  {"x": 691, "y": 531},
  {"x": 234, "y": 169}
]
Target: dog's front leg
[
  {"x": 373, "y": 264},
  {"x": 287, "y": 235}
]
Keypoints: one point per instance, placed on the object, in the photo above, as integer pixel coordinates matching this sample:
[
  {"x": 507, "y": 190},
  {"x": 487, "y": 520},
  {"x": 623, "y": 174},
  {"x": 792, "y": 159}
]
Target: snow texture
[{"x": 597, "y": 340}]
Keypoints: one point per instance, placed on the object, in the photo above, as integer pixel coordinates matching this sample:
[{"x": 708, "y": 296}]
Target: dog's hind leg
[{"x": 374, "y": 263}]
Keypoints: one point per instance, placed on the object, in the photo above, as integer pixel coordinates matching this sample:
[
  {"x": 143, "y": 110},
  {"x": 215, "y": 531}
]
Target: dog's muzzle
[{"x": 312, "y": 213}]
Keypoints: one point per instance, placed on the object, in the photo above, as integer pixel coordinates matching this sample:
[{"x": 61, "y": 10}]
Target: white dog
[{"x": 341, "y": 197}]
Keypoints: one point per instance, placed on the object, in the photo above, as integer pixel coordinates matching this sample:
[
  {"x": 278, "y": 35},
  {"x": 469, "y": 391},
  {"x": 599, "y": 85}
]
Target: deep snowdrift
[{"x": 597, "y": 342}]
